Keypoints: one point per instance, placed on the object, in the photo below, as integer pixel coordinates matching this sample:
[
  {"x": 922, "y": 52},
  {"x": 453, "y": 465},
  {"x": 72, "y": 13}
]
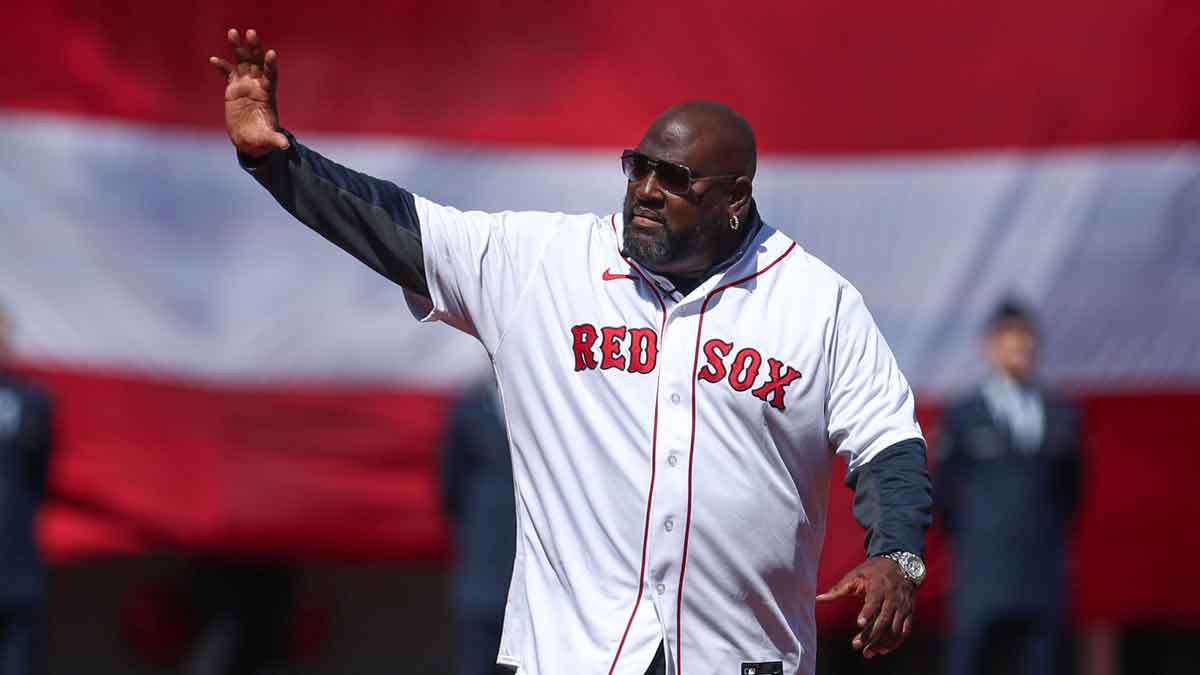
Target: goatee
[{"x": 650, "y": 248}]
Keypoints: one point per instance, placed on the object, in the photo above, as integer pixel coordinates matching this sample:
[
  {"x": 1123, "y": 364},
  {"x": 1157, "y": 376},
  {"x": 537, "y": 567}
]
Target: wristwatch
[{"x": 911, "y": 565}]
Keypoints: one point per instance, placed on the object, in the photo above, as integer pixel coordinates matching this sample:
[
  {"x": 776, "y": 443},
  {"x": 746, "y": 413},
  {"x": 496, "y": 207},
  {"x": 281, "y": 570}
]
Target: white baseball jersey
[{"x": 671, "y": 454}]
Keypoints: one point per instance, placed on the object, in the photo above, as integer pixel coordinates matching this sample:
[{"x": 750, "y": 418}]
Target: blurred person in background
[
  {"x": 478, "y": 494},
  {"x": 24, "y": 457},
  {"x": 1006, "y": 485},
  {"x": 245, "y": 608}
]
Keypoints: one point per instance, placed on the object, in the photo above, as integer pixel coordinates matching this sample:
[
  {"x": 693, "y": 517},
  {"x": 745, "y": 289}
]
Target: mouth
[{"x": 647, "y": 218}]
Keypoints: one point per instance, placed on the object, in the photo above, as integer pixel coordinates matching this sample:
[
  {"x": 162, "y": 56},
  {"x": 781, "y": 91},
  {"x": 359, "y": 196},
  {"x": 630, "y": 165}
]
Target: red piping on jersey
[
  {"x": 687, "y": 529},
  {"x": 653, "y": 465}
]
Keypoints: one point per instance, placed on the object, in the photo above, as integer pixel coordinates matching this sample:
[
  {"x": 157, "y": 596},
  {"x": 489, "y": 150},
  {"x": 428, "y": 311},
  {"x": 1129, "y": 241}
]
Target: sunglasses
[{"x": 674, "y": 178}]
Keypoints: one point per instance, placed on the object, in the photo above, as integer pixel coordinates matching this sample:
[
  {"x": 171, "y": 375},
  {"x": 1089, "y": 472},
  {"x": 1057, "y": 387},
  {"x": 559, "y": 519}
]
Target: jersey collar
[{"x": 762, "y": 245}]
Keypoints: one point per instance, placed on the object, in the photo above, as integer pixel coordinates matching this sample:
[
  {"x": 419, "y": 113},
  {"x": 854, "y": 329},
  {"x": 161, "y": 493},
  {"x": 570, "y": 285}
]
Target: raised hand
[
  {"x": 888, "y": 598},
  {"x": 251, "y": 118}
]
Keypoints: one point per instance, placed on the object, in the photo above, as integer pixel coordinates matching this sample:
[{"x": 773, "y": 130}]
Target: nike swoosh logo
[{"x": 609, "y": 276}]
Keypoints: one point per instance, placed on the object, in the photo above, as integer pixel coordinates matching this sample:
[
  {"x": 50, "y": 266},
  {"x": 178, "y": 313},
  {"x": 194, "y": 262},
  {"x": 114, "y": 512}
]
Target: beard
[
  {"x": 651, "y": 248},
  {"x": 654, "y": 248}
]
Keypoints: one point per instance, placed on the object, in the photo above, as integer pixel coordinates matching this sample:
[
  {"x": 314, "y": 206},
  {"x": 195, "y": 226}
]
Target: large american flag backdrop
[{"x": 227, "y": 381}]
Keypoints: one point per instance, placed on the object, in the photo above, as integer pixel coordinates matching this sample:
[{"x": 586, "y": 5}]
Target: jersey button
[
  {"x": 669, "y": 525},
  {"x": 661, "y": 589},
  {"x": 672, "y": 459},
  {"x": 675, "y": 397}
]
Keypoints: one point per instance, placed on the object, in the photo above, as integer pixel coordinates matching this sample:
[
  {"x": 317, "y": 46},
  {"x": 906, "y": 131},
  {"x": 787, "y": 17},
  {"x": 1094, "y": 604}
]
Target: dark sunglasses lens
[
  {"x": 674, "y": 178},
  {"x": 635, "y": 166}
]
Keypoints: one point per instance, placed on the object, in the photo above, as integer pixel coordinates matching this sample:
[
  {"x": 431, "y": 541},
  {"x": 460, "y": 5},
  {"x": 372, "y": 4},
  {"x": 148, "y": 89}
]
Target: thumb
[{"x": 280, "y": 141}]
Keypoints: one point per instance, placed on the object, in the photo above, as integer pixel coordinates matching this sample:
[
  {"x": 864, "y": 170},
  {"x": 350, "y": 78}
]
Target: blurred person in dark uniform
[
  {"x": 478, "y": 492},
  {"x": 24, "y": 457},
  {"x": 245, "y": 607},
  {"x": 1007, "y": 482}
]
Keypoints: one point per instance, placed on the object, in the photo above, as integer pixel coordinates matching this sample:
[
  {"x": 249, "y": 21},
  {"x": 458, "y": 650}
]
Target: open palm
[{"x": 251, "y": 117}]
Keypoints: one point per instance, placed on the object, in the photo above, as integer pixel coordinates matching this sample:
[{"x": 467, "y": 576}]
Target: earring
[{"x": 733, "y": 223}]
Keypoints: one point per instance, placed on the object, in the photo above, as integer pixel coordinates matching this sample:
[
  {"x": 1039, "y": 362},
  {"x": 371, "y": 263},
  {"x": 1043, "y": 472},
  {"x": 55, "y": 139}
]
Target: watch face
[
  {"x": 915, "y": 567},
  {"x": 911, "y": 566}
]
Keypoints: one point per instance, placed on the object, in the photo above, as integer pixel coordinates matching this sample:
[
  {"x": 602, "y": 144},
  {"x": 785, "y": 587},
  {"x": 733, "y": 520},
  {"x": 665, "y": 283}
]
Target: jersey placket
[
  {"x": 680, "y": 432},
  {"x": 677, "y": 428},
  {"x": 652, "y": 585},
  {"x": 676, "y": 425},
  {"x": 669, "y": 510}
]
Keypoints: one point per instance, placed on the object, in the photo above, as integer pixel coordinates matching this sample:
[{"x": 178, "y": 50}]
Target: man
[
  {"x": 674, "y": 379},
  {"x": 1007, "y": 485},
  {"x": 24, "y": 456},
  {"x": 478, "y": 495}
]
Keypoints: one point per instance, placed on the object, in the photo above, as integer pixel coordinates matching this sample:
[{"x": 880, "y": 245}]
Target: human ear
[{"x": 739, "y": 195}]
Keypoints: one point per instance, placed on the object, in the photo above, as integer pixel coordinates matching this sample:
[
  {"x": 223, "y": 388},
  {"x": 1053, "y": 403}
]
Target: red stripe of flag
[{"x": 825, "y": 76}]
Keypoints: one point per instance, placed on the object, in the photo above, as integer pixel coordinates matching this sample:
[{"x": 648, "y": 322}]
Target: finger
[
  {"x": 882, "y": 644},
  {"x": 866, "y": 618},
  {"x": 870, "y": 608},
  {"x": 222, "y": 65},
  {"x": 901, "y": 635},
  {"x": 254, "y": 45},
  {"x": 883, "y": 640},
  {"x": 240, "y": 49},
  {"x": 839, "y": 590},
  {"x": 877, "y": 650},
  {"x": 902, "y": 617},
  {"x": 888, "y": 631},
  {"x": 280, "y": 141},
  {"x": 880, "y": 630},
  {"x": 889, "y": 644},
  {"x": 271, "y": 61}
]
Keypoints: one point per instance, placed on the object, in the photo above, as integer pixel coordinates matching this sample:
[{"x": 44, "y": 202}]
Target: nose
[{"x": 648, "y": 189}]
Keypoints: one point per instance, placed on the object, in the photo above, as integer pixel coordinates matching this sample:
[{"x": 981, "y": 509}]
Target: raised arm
[{"x": 372, "y": 219}]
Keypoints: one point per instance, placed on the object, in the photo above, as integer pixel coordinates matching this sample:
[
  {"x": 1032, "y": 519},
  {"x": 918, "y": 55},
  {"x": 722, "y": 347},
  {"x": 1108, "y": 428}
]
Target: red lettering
[
  {"x": 745, "y": 369},
  {"x": 585, "y": 337},
  {"x": 610, "y": 348},
  {"x": 643, "y": 350},
  {"x": 715, "y": 352},
  {"x": 772, "y": 392}
]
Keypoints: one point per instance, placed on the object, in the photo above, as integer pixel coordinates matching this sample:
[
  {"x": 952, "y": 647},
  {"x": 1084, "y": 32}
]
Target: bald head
[{"x": 714, "y": 136}]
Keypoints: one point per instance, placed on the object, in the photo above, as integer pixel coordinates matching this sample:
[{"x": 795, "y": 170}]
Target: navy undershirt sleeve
[
  {"x": 372, "y": 219},
  {"x": 893, "y": 498}
]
